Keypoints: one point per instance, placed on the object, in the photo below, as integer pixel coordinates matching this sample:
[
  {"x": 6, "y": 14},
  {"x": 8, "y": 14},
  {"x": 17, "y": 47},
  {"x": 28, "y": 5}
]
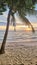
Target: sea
[{"x": 28, "y": 38}]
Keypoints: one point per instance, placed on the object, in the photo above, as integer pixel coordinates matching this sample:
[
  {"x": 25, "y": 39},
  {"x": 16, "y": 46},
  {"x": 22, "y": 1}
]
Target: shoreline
[{"x": 22, "y": 49}]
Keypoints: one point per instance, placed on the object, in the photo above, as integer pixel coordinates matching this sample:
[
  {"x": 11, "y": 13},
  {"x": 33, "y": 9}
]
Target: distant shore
[{"x": 18, "y": 27}]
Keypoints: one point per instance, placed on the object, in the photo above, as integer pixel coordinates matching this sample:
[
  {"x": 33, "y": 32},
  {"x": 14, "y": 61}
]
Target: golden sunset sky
[{"x": 19, "y": 27}]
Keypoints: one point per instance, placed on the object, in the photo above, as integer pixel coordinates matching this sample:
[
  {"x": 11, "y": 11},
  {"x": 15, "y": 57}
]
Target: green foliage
[
  {"x": 18, "y": 5},
  {"x": 2, "y": 7}
]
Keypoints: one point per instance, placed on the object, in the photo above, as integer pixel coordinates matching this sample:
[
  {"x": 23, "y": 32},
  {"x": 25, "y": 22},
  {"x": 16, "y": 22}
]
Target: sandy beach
[
  {"x": 16, "y": 54},
  {"x": 22, "y": 50}
]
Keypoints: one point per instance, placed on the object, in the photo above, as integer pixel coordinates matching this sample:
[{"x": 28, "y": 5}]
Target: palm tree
[
  {"x": 20, "y": 6},
  {"x": 27, "y": 22},
  {"x": 13, "y": 21},
  {"x": 5, "y": 36}
]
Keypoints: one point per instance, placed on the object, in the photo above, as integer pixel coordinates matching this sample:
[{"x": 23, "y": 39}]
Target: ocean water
[{"x": 19, "y": 37}]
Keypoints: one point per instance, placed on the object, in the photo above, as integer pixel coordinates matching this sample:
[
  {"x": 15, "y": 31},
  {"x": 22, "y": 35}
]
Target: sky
[{"x": 32, "y": 18}]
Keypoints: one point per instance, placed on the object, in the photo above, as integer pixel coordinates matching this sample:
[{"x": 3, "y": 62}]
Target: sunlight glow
[
  {"x": 28, "y": 29},
  {"x": 18, "y": 27}
]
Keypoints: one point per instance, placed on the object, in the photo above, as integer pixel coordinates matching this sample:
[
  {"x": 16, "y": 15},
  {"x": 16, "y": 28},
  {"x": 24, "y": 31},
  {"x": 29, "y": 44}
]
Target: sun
[{"x": 28, "y": 28}]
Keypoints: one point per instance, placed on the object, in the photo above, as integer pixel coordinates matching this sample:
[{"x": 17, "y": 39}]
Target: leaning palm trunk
[
  {"x": 13, "y": 21},
  {"x": 26, "y": 22},
  {"x": 2, "y": 50}
]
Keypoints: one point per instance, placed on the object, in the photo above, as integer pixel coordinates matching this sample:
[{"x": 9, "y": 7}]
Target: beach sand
[
  {"x": 18, "y": 53},
  {"x": 21, "y": 49}
]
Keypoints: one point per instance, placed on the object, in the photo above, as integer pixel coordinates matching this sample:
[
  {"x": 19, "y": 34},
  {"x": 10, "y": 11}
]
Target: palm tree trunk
[
  {"x": 27, "y": 22},
  {"x": 2, "y": 50},
  {"x": 13, "y": 21}
]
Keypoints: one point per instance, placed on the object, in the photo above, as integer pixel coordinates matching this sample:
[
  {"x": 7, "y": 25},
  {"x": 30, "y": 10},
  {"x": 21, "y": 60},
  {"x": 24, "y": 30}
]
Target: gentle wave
[{"x": 19, "y": 36}]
